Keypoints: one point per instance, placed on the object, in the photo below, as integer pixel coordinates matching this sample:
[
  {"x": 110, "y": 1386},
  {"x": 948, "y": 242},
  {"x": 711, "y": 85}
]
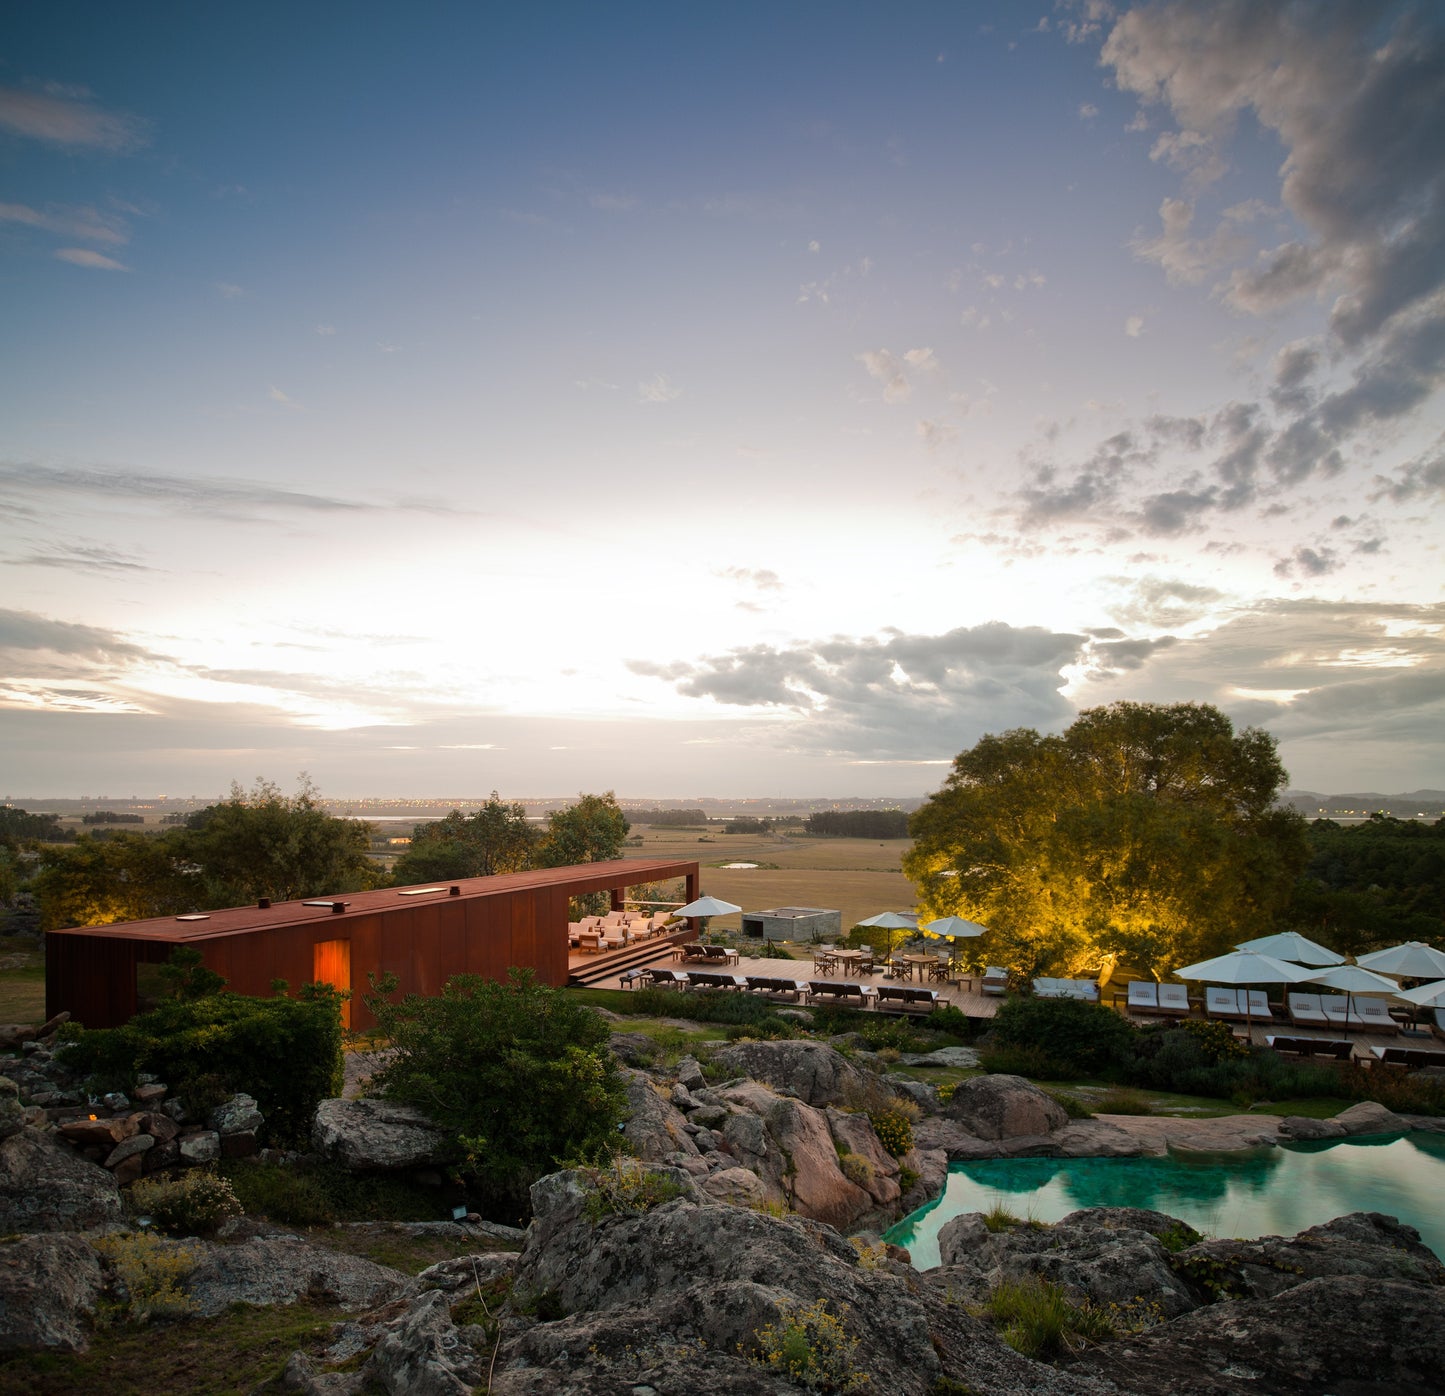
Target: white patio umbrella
[
  {"x": 1412, "y": 960},
  {"x": 1424, "y": 995},
  {"x": 891, "y": 921},
  {"x": 704, "y": 907},
  {"x": 953, "y": 929},
  {"x": 1354, "y": 983},
  {"x": 1244, "y": 967},
  {"x": 1297, "y": 949}
]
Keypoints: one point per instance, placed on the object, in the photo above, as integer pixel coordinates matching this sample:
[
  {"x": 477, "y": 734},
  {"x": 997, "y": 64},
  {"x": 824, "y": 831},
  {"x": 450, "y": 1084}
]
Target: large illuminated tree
[{"x": 1147, "y": 833}]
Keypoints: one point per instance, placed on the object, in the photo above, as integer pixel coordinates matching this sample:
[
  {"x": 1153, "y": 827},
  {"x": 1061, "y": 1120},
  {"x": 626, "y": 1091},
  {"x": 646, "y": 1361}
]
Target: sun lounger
[
  {"x": 902, "y": 998},
  {"x": 714, "y": 979},
  {"x": 671, "y": 978},
  {"x": 1086, "y": 989},
  {"x": 994, "y": 982},
  {"x": 1305, "y": 1010},
  {"x": 1174, "y": 1000},
  {"x": 831, "y": 989},
  {"x": 1143, "y": 996},
  {"x": 1374, "y": 1015},
  {"x": 1223, "y": 1003},
  {"x": 775, "y": 988},
  {"x": 1336, "y": 1008}
]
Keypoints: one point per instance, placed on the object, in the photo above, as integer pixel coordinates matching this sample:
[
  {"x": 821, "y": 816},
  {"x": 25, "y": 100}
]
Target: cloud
[
  {"x": 85, "y": 257},
  {"x": 1134, "y": 326},
  {"x": 229, "y": 291},
  {"x": 935, "y": 434},
  {"x": 1308, "y": 562},
  {"x": 888, "y": 369},
  {"x": 76, "y": 557},
  {"x": 29, "y": 631},
  {"x": 657, "y": 389},
  {"x": 613, "y": 203},
  {"x": 764, "y": 578},
  {"x": 86, "y": 223},
  {"x": 1162, "y": 603},
  {"x": 66, "y": 117},
  {"x": 218, "y": 498},
  {"x": 1087, "y": 111},
  {"x": 1420, "y": 478},
  {"x": 276, "y": 395},
  {"x": 906, "y": 696},
  {"x": 326, "y": 329}
]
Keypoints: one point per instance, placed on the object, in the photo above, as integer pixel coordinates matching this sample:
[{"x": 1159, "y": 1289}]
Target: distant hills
[{"x": 1415, "y": 804}]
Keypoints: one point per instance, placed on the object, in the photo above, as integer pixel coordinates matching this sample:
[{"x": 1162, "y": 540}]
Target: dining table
[{"x": 916, "y": 966}]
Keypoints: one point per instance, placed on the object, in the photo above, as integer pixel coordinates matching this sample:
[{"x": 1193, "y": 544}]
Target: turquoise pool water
[{"x": 1266, "y": 1192}]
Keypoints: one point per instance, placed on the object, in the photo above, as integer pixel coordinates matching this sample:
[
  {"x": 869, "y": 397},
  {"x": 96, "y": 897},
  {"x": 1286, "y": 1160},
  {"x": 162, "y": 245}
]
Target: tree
[
  {"x": 494, "y": 839},
  {"x": 1148, "y": 833},
  {"x": 591, "y": 831},
  {"x": 261, "y": 843},
  {"x": 519, "y": 1075},
  {"x": 120, "y": 877}
]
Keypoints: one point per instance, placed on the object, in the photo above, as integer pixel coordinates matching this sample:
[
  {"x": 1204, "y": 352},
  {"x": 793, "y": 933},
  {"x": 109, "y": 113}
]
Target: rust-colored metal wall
[{"x": 491, "y": 926}]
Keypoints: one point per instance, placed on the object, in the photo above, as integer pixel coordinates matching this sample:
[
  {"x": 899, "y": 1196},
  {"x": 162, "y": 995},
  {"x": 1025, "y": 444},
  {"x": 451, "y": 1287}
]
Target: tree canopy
[
  {"x": 591, "y": 831},
  {"x": 1144, "y": 832},
  {"x": 494, "y": 839}
]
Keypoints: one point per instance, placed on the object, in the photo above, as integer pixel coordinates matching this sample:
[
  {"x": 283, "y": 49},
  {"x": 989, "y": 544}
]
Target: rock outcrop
[
  {"x": 49, "y": 1286},
  {"x": 283, "y": 1269},
  {"x": 46, "y": 1186},
  {"x": 813, "y": 1071},
  {"x": 370, "y": 1135}
]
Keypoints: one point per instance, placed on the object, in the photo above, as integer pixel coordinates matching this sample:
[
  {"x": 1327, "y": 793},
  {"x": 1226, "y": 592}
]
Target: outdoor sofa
[
  {"x": 1086, "y": 989},
  {"x": 775, "y": 988},
  {"x": 1312, "y": 1047},
  {"x": 1245, "y": 1005},
  {"x": 901, "y": 998},
  {"x": 994, "y": 982},
  {"x": 1162, "y": 1000}
]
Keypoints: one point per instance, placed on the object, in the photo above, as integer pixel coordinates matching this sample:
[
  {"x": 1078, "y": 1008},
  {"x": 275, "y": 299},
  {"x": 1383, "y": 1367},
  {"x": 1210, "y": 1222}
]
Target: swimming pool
[{"x": 1265, "y": 1192}]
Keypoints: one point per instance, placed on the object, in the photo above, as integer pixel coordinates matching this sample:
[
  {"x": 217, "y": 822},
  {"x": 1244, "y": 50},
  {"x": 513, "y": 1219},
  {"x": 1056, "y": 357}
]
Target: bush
[
  {"x": 518, "y": 1074},
  {"x": 1190, "y": 1058},
  {"x": 947, "y": 1018},
  {"x": 1036, "y": 1318},
  {"x": 699, "y": 1006},
  {"x": 894, "y": 1131},
  {"x": 1078, "y": 1038},
  {"x": 286, "y": 1052},
  {"x": 811, "y": 1348},
  {"x": 149, "y": 1272},
  {"x": 856, "y": 1169},
  {"x": 194, "y": 1204},
  {"x": 317, "y": 1194},
  {"x": 627, "y": 1187}
]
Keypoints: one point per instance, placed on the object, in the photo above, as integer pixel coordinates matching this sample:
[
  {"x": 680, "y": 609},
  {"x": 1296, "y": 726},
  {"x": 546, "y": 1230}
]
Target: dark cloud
[
  {"x": 229, "y": 499},
  {"x": 1421, "y": 478},
  {"x": 27, "y": 631},
  {"x": 1308, "y": 562},
  {"x": 1161, "y": 603},
  {"x": 898, "y": 696}
]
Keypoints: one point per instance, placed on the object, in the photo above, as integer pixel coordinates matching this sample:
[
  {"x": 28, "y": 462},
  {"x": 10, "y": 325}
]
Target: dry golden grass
[{"x": 858, "y": 877}]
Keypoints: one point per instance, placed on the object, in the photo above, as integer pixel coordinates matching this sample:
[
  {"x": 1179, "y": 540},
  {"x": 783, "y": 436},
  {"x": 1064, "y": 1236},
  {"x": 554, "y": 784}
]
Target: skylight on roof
[{"x": 418, "y": 891}]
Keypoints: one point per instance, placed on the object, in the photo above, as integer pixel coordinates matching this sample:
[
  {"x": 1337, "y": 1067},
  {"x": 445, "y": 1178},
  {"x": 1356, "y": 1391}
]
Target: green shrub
[
  {"x": 519, "y": 1075},
  {"x": 314, "y": 1193},
  {"x": 947, "y": 1018},
  {"x": 1037, "y": 1319},
  {"x": 193, "y": 1204},
  {"x": 149, "y": 1272},
  {"x": 700, "y": 1006},
  {"x": 627, "y": 1187},
  {"x": 1073, "y": 1107},
  {"x": 1079, "y": 1038},
  {"x": 770, "y": 1026},
  {"x": 810, "y": 1348},
  {"x": 1122, "y": 1102},
  {"x": 894, "y": 1131},
  {"x": 1026, "y": 1060},
  {"x": 856, "y": 1169},
  {"x": 286, "y": 1052}
]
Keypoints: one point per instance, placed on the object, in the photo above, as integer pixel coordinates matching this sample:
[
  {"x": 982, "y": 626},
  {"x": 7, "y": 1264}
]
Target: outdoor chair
[
  {"x": 994, "y": 982},
  {"x": 1374, "y": 1015},
  {"x": 714, "y": 979},
  {"x": 590, "y": 942},
  {"x": 629, "y": 978},
  {"x": 1305, "y": 1010},
  {"x": 1336, "y": 1008},
  {"x": 1222, "y": 1003},
  {"x": 828, "y": 988},
  {"x": 678, "y": 978},
  {"x": 903, "y": 998},
  {"x": 1143, "y": 996},
  {"x": 764, "y": 984},
  {"x": 1174, "y": 1000}
]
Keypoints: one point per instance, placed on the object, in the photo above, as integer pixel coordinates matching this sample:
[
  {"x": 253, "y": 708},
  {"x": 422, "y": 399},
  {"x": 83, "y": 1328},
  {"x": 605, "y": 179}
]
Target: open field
[
  {"x": 858, "y": 877},
  {"x": 22, "y": 981}
]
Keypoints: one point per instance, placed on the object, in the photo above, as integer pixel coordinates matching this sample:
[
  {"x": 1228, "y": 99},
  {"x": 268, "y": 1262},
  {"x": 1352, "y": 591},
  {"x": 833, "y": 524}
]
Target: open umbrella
[
  {"x": 1424, "y": 995},
  {"x": 1354, "y": 982},
  {"x": 1297, "y": 949},
  {"x": 1244, "y": 967},
  {"x": 891, "y": 921},
  {"x": 953, "y": 929},
  {"x": 704, "y": 907},
  {"x": 1412, "y": 960}
]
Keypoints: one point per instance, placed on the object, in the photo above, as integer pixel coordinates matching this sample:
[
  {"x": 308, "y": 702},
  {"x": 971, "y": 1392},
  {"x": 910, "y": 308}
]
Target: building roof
[{"x": 206, "y": 925}]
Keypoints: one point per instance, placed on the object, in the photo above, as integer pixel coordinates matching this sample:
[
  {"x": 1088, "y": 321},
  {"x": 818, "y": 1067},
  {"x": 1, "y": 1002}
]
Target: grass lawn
[
  {"x": 22, "y": 981},
  {"x": 225, "y": 1356}
]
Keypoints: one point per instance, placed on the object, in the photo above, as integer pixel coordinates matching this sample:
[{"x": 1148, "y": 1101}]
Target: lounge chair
[
  {"x": 714, "y": 979},
  {"x": 1143, "y": 996},
  {"x": 1336, "y": 1008},
  {"x": 994, "y": 982},
  {"x": 1174, "y": 1000},
  {"x": 1374, "y": 1016},
  {"x": 675, "y": 978},
  {"x": 1223, "y": 1003},
  {"x": 905, "y": 999},
  {"x": 589, "y": 942},
  {"x": 774, "y": 988},
  {"x": 1305, "y": 1010},
  {"x": 831, "y": 989}
]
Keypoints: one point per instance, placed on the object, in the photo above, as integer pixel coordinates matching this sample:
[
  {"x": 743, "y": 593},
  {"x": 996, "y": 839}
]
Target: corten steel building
[{"x": 104, "y": 975}]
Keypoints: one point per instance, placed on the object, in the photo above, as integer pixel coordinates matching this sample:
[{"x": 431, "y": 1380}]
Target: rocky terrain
[{"x": 738, "y": 1252}]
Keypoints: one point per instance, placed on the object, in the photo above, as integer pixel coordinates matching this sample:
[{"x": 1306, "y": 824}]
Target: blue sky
[{"x": 756, "y": 399}]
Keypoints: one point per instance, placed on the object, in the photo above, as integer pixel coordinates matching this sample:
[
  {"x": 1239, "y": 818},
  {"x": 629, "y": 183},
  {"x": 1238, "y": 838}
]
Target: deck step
[{"x": 644, "y": 952}]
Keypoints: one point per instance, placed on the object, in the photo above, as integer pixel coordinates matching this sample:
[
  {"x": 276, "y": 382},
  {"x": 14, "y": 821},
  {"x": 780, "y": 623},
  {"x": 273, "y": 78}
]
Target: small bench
[
  {"x": 1312, "y": 1047},
  {"x": 831, "y": 989},
  {"x": 1411, "y": 1058}
]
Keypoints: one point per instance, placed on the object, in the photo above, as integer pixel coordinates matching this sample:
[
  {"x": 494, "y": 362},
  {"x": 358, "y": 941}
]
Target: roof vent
[
  {"x": 455, "y": 892},
  {"x": 264, "y": 903}
]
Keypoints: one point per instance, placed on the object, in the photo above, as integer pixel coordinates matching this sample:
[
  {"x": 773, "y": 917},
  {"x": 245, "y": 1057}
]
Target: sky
[{"x": 749, "y": 399}]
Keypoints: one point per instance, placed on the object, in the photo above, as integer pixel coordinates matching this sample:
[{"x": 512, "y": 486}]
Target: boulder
[
  {"x": 238, "y": 1115},
  {"x": 49, "y": 1286},
  {"x": 656, "y": 1128},
  {"x": 1340, "y": 1334},
  {"x": 814, "y": 1072},
  {"x": 738, "y": 1187},
  {"x": 1004, "y": 1107},
  {"x": 46, "y": 1186},
  {"x": 689, "y": 1074},
  {"x": 1369, "y": 1118},
  {"x": 376, "y": 1135},
  {"x": 1108, "y": 1256},
  {"x": 283, "y": 1269},
  {"x": 204, "y": 1147},
  {"x": 12, "y": 1112},
  {"x": 854, "y": 1134},
  {"x": 422, "y": 1354},
  {"x": 966, "y": 1057},
  {"x": 1302, "y": 1127}
]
